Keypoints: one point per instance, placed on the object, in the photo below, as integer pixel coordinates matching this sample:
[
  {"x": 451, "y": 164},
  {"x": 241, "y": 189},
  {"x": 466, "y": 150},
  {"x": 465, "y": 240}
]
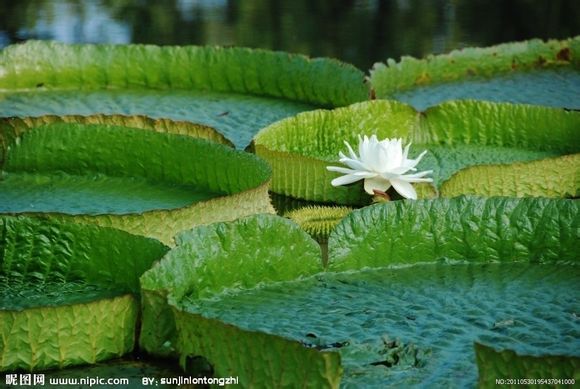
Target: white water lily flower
[{"x": 381, "y": 164}]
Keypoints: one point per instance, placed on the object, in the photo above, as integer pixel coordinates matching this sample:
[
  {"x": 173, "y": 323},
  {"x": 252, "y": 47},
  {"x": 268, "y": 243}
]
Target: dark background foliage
[{"x": 358, "y": 31}]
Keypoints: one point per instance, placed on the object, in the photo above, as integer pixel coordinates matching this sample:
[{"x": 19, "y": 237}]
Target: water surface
[{"x": 361, "y": 32}]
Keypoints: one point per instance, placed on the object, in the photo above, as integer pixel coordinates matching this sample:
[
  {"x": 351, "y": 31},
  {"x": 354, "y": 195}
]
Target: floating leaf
[
  {"x": 144, "y": 182},
  {"x": 67, "y": 295},
  {"x": 223, "y": 258},
  {"x": 508, "y": 366},
  {"x": 17, "y": 125},
  {"x": 552, "y": 177},
  {"x": 530, "y": 72},
  {"x": 393, "y": 327},
  {"x": 458, "y": 135},
  {"x": 235, "y": 90},
  {"x": 497, "y": 229},
  {"x": 492, "y": 269}
]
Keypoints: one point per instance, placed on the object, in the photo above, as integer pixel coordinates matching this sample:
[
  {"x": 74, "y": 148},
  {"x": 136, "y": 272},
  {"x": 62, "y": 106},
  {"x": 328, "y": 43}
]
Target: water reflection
[{"x": 357, "y": 31}]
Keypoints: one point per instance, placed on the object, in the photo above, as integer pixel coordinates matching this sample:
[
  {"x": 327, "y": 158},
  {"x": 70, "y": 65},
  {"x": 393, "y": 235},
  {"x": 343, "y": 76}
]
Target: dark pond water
[{"x": 358, "y": 31}]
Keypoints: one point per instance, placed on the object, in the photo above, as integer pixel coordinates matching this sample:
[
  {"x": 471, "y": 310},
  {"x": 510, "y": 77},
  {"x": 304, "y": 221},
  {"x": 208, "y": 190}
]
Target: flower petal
[
  {"x": 406, "y": 152},
  {"x": 365, "y": 174},
  {"x": 404, "y": 189},
  {"x": 419, "y": 174},
  {"x": 345, "y": 180},
  {"x": 394, "y": 153},
  {"x": 389, "y": 176},
  {"x": 399, "y": 170},
  {"x": 376, "y": 158},
  {"x": 367, "y": 152},
  {"x": 418, "y": 177},
  {"x": 354, "y": 164},
  {"x": 340, "y": 169},
  {"x": 378, "y": 183},
  {"x": 350, "y": 151},
  {"x": 362, "y": 146}
]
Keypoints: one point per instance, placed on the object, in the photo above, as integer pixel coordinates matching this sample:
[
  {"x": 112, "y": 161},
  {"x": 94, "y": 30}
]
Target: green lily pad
[
  {"x": 68, "y": 292},
  {"x": 511, "y": 368},
  {"x": 20, "y": 294},
  {"x": 224, "y": 256},
  {"x": 530, "y": 72},
  {"x": 235, "y": 90},
  {"x": 92, "y": 195},
  {"x": 145, "y": 182},
  {"x": 410, "y": 287},
  {"x": 227, "y": 257},
  {"x": 552, "y": 177},
  {"x": 536, "y": 230},
  {"x": 18, "y": 125},
  {"x": 458, "y": 135},
  {"x": 410, "y": 326},
  {"x": 551, "y": 88}
]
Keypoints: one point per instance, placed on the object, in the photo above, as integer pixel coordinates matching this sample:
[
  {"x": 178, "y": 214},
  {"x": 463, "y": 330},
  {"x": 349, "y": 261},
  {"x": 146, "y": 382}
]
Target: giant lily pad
[
  {"x": 550, "y": 177},
  {"x": 17, "y": 125},
  {"x": 234, "y": 90},
  {"x": 530, "y": 72},
  {"x": 223, "y": 256},
  {"x": 458, "y": 135},
  {"x": 68, "y": 292},
  {"x": 411, "y": 286},
  {"x": 145, "y": 182},
  {"x": 507, "y": 367}
]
